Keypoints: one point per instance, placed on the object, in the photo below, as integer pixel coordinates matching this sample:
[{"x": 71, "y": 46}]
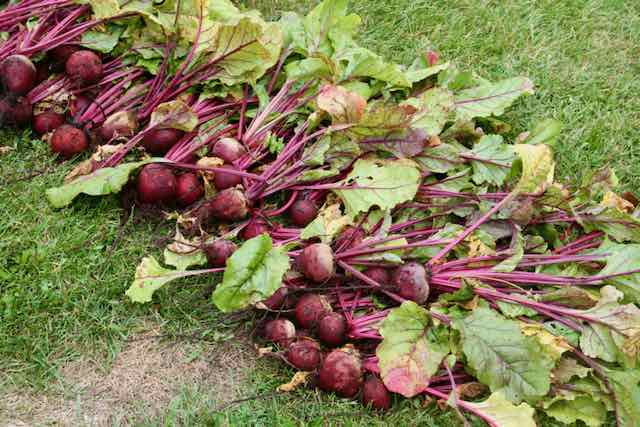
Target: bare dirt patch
[{"x": 144, "y": 377}]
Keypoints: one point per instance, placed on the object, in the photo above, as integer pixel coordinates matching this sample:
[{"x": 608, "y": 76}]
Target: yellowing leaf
[
  {"x": 343, "y": 106},
  {"x": 329, "y": 222},
  {"x": 498, "y": 411},
  {"x": 552, "y": 344},
  {"x": 612, "y": 200},
  {"x": 176, "y": 115},
  {"x": 299, "y": 379},
  {"x": 538, "y": 168}
]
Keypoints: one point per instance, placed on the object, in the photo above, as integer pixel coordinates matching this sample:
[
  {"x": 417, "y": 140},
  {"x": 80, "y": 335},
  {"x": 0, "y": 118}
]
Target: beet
[
  {"x": 219, "y": 251},
  {"x": 310, "y": 309},
  {"x": 280, "y": 331},
  {"x": 42, "y": 72},
  {"x": 61, "y": 54},
  {"x": 189, "y": 189},
  {"x": 353, "y": 235},
  {"x": 379, "y": 275},
  {"x": 159, "y": 141},
  {"x": 374, "y": 393},
  {"x": 223, "y": 180},
  {"x": 305, "y": 354},
  {"x": 317, "y": 263},
  {"x": 156, "y": 184},
  {"x": 229, "y": 205},
  {"x": 255, "y": 228},
  {"x": 68, "y": 141},
  {"x": 21, "y": 112},
  {"x": 79, "y": 105},
  {"x": 277, "y": 300},
  {"x": 341, "y": 372},
  {"x": 84, "y": 66},
  {"x": 228, "y": 149},
  {"x": 47, "y": 122},
  {"x": 18, "y": 74},
  {"x": 332, "y": 329},
  {"x": 122, "y": 123},
  {"x": 303, "y": 212},
  {"x": 6, "y": 112},
  {"x": 411, "y": 282}
]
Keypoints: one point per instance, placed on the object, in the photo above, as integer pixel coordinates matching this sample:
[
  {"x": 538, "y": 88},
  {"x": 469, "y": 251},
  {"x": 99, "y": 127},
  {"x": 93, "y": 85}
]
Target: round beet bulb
[
  {"x": 303, "y": 212},
  {"x": 305, "y": 354},
  {"x": 47, "y": 122},
  {"x": 332, "y": 329},
  {"x": 229, "y": 205},
  {"x": 84, "y": 66},
  {"x": 379, "y": 275},
  {"x": 277, "y": 300},
  {"x": 310, "y": 309},
  {"x": 255, "y": 228},
  {"x": 224, "y": 180},
  {"x": 411, "y": 282},
  {"x": 156, "y": 184},
  {"x": 159, "y": 141},
  {"x": 280, "y": 331},
  {"x": 42, "y": 72},
  {"x": 219, "y": 251},
  {"x": 228, "y": 149},
  {"x": 341, "y": 372},
  {"x": 189, "y": 189},
  {"x": 68, "y": 141},
  {"x": 6, "y": 113},
  {"x": 374, "y": 393},
  {"x": 18, "y": 74},
  {"x": 22, "y": 112},
  {"x": 316, "y": 262},
  {"x": 78, "y": 105}
]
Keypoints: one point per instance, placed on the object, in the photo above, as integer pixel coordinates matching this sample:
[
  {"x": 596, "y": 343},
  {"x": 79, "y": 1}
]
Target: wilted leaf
[
  {"x": 176, "y": 115},
  {"x": 538, "y": 168},
  {"x": 412, "y": 349},
  {"x": 500, "y": 412},
  {"x": 254, "y": 272},
  {"x": 329, "y": 222},
  {"x": 183, "y": 253},
  {"x": 553, "y": 345},
  {"x": 570, "y": 296},
  {"x": 431, "y": 111},
  {"x": 567, "y": 369},
  {"x": 298, "y": 380},
  {"x": 343, "y": 106},
  {"x": 382, "y": 183}
]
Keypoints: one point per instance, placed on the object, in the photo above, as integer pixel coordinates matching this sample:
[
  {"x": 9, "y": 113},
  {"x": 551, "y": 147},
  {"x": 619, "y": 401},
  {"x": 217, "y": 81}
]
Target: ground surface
[{"x": 73, "y": 351}]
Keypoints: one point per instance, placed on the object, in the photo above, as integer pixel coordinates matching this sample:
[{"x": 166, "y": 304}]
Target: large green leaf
[
  {"x": 626, "y": 386},
  {"x": 254, "y": 272},
  {"x": 361, "y": 62},
  {"x": 491, "y": 160},
  {"x": 102, "y": 41},
  {"x": 621, "y": 258},
  {"x": 432, "y": 110},
  {"x": 412, "y": 349},
  {"x": 573, "y": 407},
  {"x": 502, "y": 357},
  {"x": 491, "y": 98},
  {"x": 151, "y": 276},
  {"x": 384, "y": 183},
  {"x": 99, "y": 183},
  {"x": 501, "y": 412}
]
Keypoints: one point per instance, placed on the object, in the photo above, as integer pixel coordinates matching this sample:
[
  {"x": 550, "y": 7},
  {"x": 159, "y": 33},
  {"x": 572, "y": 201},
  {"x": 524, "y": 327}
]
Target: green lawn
[{"x": 63, "y": 274}]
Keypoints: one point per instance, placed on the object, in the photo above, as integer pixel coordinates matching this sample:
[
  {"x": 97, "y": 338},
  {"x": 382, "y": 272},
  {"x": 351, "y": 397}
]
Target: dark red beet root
[
  {"x": 228, "y": 149},
  {"x": 229, "y": 205},
  {"x": 6, "y": 113},
  {"x": 411, "y": 282},
  {"x": 255, "y": 228},
  {"x": 159, "y": 141},
  {"x": 189, "y": 189},
  {"x": 378, "y": 274},
  {"x": 68, "y": 141},
  {"x": 305, "y": 354},
  {"x": 84, "y": 66},
  {"x": 22, "y": 112},
  {"x": 18, "y": 74},
  {"x": 219, "y": 251},
  {"x": 332, "y": 329},
  {"x": 316, "y": 262},
  {"x": 277, "y": 300},
  {"x": 310, "y": 309},
  {"x": 79, "y": 105},
  {"x": 280, "y": 331},
  {"x": 341, "y": 372},
  {"x": 42, "y": 72},
  {"x": 223, "y": 180},
  {"x": 303, "y": 212},
  {"x": 47, "y": 122},
  {"x": 156, "y": 184},
  {"x": 61, "y": 54},
  {"x": 374, "y": 393}
]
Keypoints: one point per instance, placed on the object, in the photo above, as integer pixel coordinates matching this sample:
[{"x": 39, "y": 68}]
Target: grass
[{"x": 63, "y": 273}]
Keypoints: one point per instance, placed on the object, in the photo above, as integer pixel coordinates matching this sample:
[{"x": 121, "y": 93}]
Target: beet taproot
[
  {"x": 317, "y": 262},
  {"x": 310, "y": 308},
  {"x": 411, "y": 282},
  {"x": 305, "y": 354},
  {"x": 280, "y": 331},
  {"x": 47, "y": 122},
  {"x": 375, "y": 394},
  {"x": 229, "y": 205},
  {"x": 228, "y": 149},
  {"x": 341, "y": 372},
  {"x": 18, "y": 74},
  {"x": 156, "y": 184},
  {"x": 189, "y": 189},
  {"x": 85, "y": 67},
  {"x": 159, "y": 141},
  {"x": 255, "y": 228},
  {"x": 219, "y": 251},
  {"x": 302, "y": 212},
  {"x": 68, "y": 141},
  {"x": 223, "y": 180},
  {"x": 332, "y": 329}
]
